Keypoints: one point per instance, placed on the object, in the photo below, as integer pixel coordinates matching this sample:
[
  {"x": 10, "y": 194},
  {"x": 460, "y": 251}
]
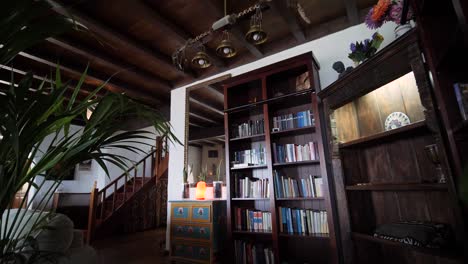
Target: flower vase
[
  {"x": 400, "y": 30},
  {"x": 217, "y": 189},
  {"x": 186, "y": 192}
]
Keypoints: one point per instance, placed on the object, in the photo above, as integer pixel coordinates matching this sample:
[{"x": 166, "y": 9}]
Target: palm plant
[
  {"x": 36, "y": 121},
  {"x": 203, "y": 174}
]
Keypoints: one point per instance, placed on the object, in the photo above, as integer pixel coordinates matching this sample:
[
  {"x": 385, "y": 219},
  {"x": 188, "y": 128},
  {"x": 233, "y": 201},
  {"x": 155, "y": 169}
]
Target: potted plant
[
  {"x": 201, "y": 184},
  {"x": 218, "y": 184},
  {"x": 185, "y": 173},
  {"x": 386, "y": 11},
  {"x": 362, "y": 50}
]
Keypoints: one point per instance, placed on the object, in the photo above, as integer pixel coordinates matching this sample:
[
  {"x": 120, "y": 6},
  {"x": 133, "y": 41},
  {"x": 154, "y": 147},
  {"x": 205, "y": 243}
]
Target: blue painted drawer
[
  {"x": 180, "y": 212},
  {"x": 201, "y": 213},
  {"x": 191, "y": 231},
  {"x": 197, "y": 252}
]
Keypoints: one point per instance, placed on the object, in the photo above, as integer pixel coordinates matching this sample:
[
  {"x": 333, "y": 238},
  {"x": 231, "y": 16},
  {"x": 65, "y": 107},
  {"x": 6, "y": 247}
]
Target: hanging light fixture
[
  {"x": 225, "y": 49},
  {"x": 201, "y": 59},
  {"x": 256, "y": 35}
]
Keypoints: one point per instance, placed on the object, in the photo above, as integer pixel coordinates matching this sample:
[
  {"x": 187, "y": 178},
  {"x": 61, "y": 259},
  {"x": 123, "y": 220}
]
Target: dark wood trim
[{"x": 282, "y": 8}]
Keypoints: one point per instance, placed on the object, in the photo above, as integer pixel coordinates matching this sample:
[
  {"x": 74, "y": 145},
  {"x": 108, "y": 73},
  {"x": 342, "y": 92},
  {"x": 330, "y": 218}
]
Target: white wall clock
[{"x": 396, "y": 120}]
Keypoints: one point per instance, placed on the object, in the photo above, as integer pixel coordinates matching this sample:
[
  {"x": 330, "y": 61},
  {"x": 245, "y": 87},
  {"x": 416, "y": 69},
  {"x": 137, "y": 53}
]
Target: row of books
[
  {"x": 252, "y": 220},
  {"x": 287, "y": 187},
  {"x": 293, "y": 152},
  {"x": 297, "y": 120},
  {"x": 250, "y": 253},
  {"x": 249, "y": 157},
  {"x": 302, "y": 221},
  {"x": 249, "y": 128},
  {"x": 251, "y": 188}
]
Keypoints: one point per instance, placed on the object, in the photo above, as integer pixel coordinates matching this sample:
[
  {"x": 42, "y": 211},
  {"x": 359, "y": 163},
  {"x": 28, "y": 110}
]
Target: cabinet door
[
  {"x": 201, "y": 213},
  {"x": 198, "y": 253}
]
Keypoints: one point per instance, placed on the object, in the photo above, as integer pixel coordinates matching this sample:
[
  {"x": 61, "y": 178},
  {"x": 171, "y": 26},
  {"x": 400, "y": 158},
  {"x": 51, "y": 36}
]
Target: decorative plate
[{"x": 396, "y": 120}]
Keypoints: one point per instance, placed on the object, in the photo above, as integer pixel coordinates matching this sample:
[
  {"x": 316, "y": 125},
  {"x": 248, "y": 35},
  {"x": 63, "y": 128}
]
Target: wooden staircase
[{"x": 107, "y": 202}]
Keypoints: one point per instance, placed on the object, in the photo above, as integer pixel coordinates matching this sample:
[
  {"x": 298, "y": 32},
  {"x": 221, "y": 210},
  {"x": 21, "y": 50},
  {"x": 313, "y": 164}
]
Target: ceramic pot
[
  {"x": 186, "y": 192},
  {"x": 400, "y": 30},
  {"x": 217, "y": 189}
]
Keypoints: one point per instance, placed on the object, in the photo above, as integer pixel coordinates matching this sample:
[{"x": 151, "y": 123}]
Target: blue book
[
  {"x": 298, "y": 221},
  {"x": 289, "y": 217},
  {"x": 300, "y": 119},
  {"x": 279, "y": 192}
]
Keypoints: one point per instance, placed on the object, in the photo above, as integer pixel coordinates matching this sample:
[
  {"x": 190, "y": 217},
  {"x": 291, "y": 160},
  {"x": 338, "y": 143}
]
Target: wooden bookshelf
[
  {"x": 386, "y": 176},
  {"x": 250, "y": 167},
  {"x": 258, "y": 137},
  {"x": 267, "y": 93}
]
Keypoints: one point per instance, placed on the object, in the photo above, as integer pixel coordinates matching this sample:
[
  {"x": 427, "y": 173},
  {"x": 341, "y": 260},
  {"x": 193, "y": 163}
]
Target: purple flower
[
  {"x": 366, "y": 42},
  {"x": 353, "y": 47}
]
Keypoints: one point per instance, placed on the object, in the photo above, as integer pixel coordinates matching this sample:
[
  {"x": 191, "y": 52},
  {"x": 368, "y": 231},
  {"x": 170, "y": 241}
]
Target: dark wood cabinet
[
  {"x": 281, "y": 99},
  {"x": 383, "y": 122}
]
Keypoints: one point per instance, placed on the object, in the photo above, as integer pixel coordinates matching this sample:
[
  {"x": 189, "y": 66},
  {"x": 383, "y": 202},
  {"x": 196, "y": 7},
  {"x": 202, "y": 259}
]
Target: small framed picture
[
  {"x": 461, "y": 92},
  {"x": 85, "y": 165}
]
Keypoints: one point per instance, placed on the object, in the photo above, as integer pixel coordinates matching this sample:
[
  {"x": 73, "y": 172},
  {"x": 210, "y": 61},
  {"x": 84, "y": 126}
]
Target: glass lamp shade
[
  {"x": 256, "y": 35},
  {"x": 200, "y": 191},
  {"x": 201, "y": 60}
]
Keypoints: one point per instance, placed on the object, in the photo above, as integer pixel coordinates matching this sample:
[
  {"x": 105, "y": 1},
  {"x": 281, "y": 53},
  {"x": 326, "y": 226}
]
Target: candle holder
[{"x": 432, "y": 152}]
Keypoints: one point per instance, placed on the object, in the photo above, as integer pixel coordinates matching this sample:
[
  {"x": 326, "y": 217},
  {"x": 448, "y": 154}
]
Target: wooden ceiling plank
[
  {"x": 352, "y": 11},
  {"x": 162, "y": 85},
  {"x": 195, "y": 125},
  {"x": 203, "y": 118},
  {"x": 281, "y": 7},
  {"x": 182, "y": 36},
  {"x": 207, "y": 106},
  {"x": 76, "y": 75},
  {"x": 215, "y": 91},
  {"x": 116, "y": 38}
]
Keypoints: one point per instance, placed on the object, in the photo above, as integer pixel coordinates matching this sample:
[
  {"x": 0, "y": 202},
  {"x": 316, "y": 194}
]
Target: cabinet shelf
[
  {"x": 431, "y": 251},
  {"x": 300, "y": 199},
  {"x": 250, "y": 167},
  {"x": 399, "y": 187},
  {"x": 258, "y": 137},
  {"x": 294, "y": 131},
  {"x": 305, "y": 162},
  {"x": 313, "y": 236},
  {"x": 384, "y": 135}
]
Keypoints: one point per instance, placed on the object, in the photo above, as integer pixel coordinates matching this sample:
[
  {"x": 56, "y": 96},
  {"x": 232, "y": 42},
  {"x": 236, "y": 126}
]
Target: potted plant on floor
[
  {"x": 218, "y": 184},
  {"x": 201, "y": 184},
  {"x": 36, "y": 119}
]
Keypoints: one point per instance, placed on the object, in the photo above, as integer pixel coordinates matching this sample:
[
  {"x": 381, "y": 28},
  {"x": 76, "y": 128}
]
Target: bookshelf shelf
[
  {"x": 250, "y": 199},
  {"x": 313, "y": 236},
  {"x": 252, "y": 233},
  {"x": 296, "y": 131},
  {"x": 282, "y": 78},
  {"x": 300, "y": 199},
  {"x": 378, "y": 138},
  {"x": 429, "y": 251},
  {"x": 296, "y": 163},
  {"x": 399, "y": 187},
  {"x": 250, "y": 167},
  {"x": 258, "y": 137}
]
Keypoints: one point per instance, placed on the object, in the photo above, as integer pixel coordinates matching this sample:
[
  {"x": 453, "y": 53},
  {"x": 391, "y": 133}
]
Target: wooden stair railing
[{"x": 103, "y": 206}]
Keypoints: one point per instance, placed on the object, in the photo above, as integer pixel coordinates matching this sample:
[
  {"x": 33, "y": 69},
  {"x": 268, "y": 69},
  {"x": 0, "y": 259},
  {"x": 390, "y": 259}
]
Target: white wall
[{"x": 327, "y": 50}]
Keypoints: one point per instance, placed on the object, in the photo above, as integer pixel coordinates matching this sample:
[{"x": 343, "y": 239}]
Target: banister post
[{"x": 93, "y": 199}]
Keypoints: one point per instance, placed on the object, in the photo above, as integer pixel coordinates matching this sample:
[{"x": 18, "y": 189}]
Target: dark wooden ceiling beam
[
  {"x": 281, "y": 7},
  {"x": 94, "y": 81},
  {"x": 182, "y": 36},
  {"x": 352, "y": 11},
  {"x": 206, "y": 106},
  {"x": 155, "y": 85},
  {"x": 215, "y": 92},
  {"x": 202, "y": 132},
  {"x": 115, "y": 38}
]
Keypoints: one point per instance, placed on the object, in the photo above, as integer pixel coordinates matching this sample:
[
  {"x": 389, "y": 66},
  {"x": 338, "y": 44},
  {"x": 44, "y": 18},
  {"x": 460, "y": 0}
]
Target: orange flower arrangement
[{"x": 380, "y": 9}]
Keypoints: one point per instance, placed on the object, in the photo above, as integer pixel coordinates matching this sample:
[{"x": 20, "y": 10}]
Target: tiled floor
[{"x": 139, "y": 248}]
